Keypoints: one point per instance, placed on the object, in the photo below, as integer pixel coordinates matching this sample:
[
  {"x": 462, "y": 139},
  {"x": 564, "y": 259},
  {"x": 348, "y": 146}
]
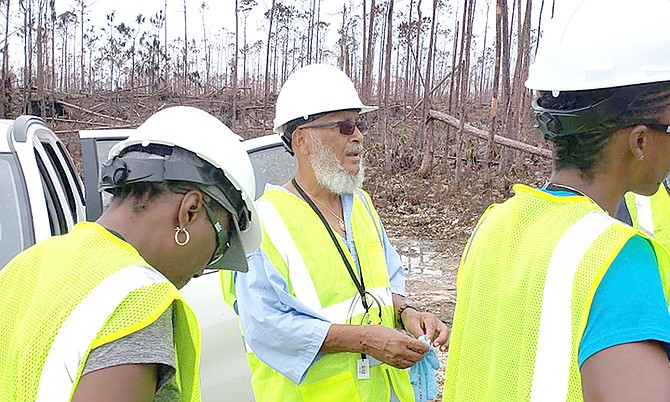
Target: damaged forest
[{"x": 453, "y": 133}]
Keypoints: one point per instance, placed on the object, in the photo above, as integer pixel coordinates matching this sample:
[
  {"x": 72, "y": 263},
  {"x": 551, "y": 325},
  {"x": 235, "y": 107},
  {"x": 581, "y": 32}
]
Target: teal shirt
[{"x": 629, "y": 304}]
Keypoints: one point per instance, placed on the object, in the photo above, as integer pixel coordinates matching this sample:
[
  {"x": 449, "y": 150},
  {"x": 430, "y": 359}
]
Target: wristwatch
[{"x": 402, "y": 308}]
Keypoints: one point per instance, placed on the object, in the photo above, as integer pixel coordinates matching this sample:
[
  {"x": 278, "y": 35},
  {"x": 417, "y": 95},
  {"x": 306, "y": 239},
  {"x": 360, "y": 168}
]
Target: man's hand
[
  {"x": 421, "y": 323},
  {"x": 392, "y": 347},
  {"x": 385, "y": 344}
]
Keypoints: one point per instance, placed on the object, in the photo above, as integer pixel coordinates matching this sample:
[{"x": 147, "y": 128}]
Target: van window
[
  {"x": 16, "y": 231},
  {"x": 68, "y": 161},
  {"x": 54, "y": 206},
  {"x": 274, "y": 164},
  {"x": 62, "y": 178}
]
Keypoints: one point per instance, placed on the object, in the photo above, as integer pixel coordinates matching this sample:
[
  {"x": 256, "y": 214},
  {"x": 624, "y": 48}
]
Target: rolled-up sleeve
[
  {"x": 394, "y": 266},
  {"x": 281, "y": 331}
]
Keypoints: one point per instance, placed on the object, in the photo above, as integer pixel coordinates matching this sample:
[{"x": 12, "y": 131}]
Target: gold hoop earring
[{"x": 179, "y": 230}]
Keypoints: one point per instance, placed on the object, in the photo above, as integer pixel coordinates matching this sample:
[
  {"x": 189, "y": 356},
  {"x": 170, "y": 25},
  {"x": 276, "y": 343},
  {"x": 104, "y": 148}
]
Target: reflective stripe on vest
[
  {"x": 644, "y": 215},
  {"x": 83, "y": 324},
  {"x": 340, "y": 313},
  {"x": 279, "y": 236},
  {"x": 299, "y": 276},
  {"x": 554, "y": 344},
  {"x": 651, "y": 214}
]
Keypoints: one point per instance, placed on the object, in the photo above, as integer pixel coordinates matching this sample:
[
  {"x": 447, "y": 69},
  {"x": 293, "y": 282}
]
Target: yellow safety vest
[
  {"x": 524, "y": 290},
  {"x": 318, "y": 278},
  {"x": 70, "y": 294},
  {"x": 651, "y": 214}
]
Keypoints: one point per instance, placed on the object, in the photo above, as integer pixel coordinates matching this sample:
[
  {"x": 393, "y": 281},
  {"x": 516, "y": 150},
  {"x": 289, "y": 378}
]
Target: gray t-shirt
[{"x": 153, "y": 344}]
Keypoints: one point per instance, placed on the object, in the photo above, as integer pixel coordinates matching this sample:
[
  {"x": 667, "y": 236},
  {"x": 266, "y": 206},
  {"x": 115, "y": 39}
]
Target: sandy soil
[{"x": 431, "y": 283}]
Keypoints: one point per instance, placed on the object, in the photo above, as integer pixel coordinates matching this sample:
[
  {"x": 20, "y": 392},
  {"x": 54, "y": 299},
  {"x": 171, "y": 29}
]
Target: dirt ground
[{"x": 431, "y": 283}]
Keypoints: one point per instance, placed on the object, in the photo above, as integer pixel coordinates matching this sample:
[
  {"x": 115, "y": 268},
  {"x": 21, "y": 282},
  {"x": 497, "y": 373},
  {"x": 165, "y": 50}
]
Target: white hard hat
[
  {"x": 604, "y": 44},
  {"x": 314, "y": 89},
  {"x": 204, "y": 135}
]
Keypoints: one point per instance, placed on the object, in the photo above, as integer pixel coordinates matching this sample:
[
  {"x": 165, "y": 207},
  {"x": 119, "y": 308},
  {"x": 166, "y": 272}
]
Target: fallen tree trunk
[
  {"x": 93, "y": 112},
  {"x": 468, "y": 129}
]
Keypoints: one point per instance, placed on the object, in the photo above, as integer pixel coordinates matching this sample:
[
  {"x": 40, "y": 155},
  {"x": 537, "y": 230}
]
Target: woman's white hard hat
[
  {"x": 604, "y": 44},
  {"x": 207, "y": 137}
]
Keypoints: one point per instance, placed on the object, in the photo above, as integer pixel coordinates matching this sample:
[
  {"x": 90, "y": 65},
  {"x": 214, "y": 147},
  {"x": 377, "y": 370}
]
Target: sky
[{"x": 220, "y": 13}]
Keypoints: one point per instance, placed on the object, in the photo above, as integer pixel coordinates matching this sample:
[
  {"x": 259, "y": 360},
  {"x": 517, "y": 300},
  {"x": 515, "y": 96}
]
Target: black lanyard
[{"x": 360, "y": 285}]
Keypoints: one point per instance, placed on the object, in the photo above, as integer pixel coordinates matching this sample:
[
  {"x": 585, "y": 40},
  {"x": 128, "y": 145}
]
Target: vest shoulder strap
[{"x": 78, "y": 332}]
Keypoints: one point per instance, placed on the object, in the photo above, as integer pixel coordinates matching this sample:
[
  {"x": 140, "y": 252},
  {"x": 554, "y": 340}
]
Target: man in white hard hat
[
  {"x": 95, "y": 315},
  {"x": 324, "y": 296},
  {"x": 558, "y": 300}
]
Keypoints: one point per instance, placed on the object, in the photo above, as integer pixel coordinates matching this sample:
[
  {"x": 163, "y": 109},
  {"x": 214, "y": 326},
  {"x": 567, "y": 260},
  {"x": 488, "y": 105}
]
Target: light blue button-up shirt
[{"x": 282, "y": 331}]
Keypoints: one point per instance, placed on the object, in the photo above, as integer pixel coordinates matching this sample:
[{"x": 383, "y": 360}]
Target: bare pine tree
[
  {"x": 486, "y": 30},
  {"x": 408, "y": 51},
  {"x": 185, "y": 78},
  {"x": 539, "y": 27},
  {"x": 52, "y": 20},
  {"x": 364, "y": 46},
  {"x": 386, "y": 98},
  {"x": 165, "y": 38},
  {"x": 41, "y": 10},
  {"x": 80, "y": 7},
  {"x": 417, "y": 59},
  {"x": 318, "y": 26},
  {"x": 6, "y": 82},
  {"x": 496, "y": 87},
  {"x": 245, "y": 7},
  {"x": 454, "y": 56},
  {"x": 505, "y": 42},
  {"x": 427, "y": 148},
  {"x": 233, "y": 119},
  {"x": 267, "y": 58},
  {"x": 203, "y": 11},
  {"x": 343, "y": 61},
  {"x": 367, "y": 67},
  {"x": 464, "y": 69}
]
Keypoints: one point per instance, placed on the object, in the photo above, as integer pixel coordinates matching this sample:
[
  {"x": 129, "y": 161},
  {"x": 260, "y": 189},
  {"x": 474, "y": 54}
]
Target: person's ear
[
  {"x": 189, "y": 208},
  {"x": 302, "y": 142},
  {"x": 638, "y": 141},
  {"x": 299, "y": 140}
]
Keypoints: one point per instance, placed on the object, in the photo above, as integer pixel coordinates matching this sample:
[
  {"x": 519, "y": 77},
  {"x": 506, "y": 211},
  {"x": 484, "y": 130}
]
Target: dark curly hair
[
  {"x": 582, "y": 150},
  {"x": 143, "y": 193}
]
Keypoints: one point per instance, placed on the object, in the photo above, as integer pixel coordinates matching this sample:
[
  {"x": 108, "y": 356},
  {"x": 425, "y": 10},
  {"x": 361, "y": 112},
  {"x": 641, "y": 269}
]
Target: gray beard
[{"x": 330, "y": 173}]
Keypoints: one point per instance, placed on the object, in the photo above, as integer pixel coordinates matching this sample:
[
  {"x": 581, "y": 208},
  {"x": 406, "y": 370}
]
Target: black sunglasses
[
  {"x": 660, "y": 127},
  {"x": 346, "y": 127},
  {"x": 222, "y": 236}
]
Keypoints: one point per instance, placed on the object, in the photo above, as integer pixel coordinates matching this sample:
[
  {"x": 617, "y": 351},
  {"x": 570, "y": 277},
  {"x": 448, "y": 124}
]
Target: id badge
[{"x": 363, "y": 371}]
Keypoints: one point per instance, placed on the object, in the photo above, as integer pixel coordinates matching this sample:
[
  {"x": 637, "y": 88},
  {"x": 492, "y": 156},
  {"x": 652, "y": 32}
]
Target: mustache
[{"x": 354, "y": 147}]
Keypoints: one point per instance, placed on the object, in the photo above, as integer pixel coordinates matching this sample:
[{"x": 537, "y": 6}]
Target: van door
[{"x": 55, "y": 192}]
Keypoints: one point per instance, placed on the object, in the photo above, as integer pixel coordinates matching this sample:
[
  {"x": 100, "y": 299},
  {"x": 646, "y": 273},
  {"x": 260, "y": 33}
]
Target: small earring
[
  {"x": 178, "y": 230},
  {"x": 642, "y": 157}
]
